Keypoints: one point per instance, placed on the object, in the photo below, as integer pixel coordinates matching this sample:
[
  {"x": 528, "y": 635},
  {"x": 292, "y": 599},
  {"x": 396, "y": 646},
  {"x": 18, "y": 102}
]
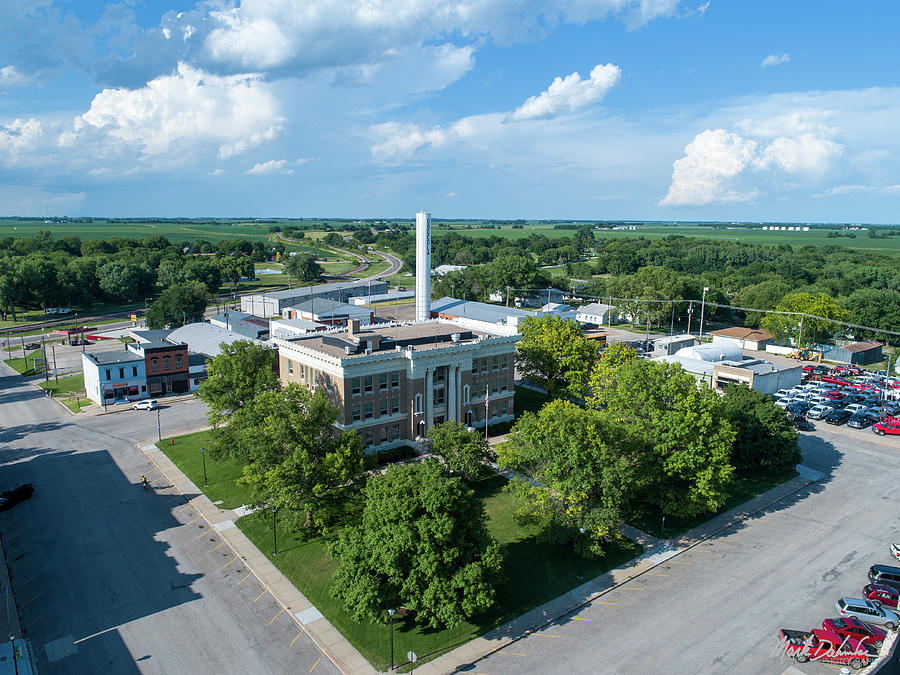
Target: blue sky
[{"x": 644, "y": 109}]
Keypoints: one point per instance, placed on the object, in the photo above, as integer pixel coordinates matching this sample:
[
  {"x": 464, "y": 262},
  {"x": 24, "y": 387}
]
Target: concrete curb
[{"x": 309, "y": 620}]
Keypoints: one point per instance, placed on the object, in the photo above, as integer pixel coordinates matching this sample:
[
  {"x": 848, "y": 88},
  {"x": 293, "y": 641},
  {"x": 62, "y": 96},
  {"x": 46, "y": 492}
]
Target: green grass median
[{"x": 221, "y": 475}]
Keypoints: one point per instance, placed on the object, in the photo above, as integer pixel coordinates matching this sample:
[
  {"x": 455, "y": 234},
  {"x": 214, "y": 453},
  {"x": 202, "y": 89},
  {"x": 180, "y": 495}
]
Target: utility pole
[
  {"x": 702, "y": 308},
  {"x": 44, "y": 353},
  {"x": 690, "y": 314},
  {"x": 800, "y": 337}
]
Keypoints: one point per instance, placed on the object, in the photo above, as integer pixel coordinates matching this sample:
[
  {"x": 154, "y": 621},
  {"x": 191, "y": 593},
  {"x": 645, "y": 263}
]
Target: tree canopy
[
  {"x": 296, "y": 458},
  {"x": 555, "y": 354},
  {"x": 423, "y": 544},
  {"x": 236, "y": 376},
  {"x": 764, "y": 437},
  {"x": 582, "y": 466},
  {"x": 462, "y": 451},
  {"x": 303, "y": 267},
  {"x": 813, "y": 329},
  {"x": 178, "y": 305}
]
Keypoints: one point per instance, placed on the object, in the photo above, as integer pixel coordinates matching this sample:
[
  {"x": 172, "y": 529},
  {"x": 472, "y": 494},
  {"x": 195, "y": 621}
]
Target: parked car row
[
  {"x": 839, "y": 404},
  {"x": 855, "y": 637}
]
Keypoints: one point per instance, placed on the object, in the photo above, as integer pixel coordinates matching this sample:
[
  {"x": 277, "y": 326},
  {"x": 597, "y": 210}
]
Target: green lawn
[
  {"x": 536, "y": 573},
  {"x": 220, "y": 474},
  {"x": 742, "y": 489},
  {"x": 528, "y": 400},
  {"x": 25, "y": 366},
  {"x": 65, "y": 385}
]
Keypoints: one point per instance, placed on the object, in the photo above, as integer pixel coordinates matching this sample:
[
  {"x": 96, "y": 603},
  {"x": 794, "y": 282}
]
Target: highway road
[
  {"x": 112, "y": 578},
  {"x": 717, "y": 608}
]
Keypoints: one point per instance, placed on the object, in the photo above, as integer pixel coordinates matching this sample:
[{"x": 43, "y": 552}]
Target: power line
[{"x": 715, "y": 304}]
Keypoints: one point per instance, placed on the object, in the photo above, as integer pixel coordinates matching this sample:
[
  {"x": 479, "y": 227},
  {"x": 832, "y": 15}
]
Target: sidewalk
[
  {"x": 326, "y": 637},
  {"x": 656, "y": 552}
]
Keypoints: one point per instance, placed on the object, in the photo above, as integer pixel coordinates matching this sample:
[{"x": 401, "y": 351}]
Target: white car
[
  {"x": 818, "y": 412},
  {"x": 783, "y": 402},
  {"x": 148, "y": 404},
  {"x": 781, "y": 393},
  {"x": 855, "y": 408}
]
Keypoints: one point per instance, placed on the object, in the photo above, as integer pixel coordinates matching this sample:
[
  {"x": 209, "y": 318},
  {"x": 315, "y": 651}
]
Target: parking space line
[
  {"x": 219, "y": 546},
  {"x": 34, "y": 621},
  {"x": 632, "y": 588},
  {"x": 30, "y": 601},
  {"x": 512, "y": 653},
  {"x": 25, "y": 582},
  {"x": 249, "y": 574},
  {"x": 578, "y": 618},
  {"x": 651, "y": 574},
  {"x": 543, "y": 635},
  {"x": 204, "y": 533},
  {"x": 700, "y": 550},
  {"x": 599, "y": 602},
  {"x": 316, "y": 663},
  {"x": 197, "y": 518},
  {"x": 671, "y": 562},
  {"x": 265, "y": 590},
  {"x": 229, "y": 562},
  {"x": 277, "y": 615},
  {"x": 295, "y": 639}
]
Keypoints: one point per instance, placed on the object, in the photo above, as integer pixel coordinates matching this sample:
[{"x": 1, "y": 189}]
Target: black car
[
  {"x": 860, "y": 420},
  {"x": 797, "y": 408},
  {"x": 10, "y": 498},
  {"x": 853, "y": 398},
  {"x": 838, "y": 416},
  {"x": 801, "y": 423}
]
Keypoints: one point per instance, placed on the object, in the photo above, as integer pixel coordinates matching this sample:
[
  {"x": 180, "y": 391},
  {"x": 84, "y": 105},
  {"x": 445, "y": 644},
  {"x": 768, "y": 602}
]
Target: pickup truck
[{"x": 825, "y": 646}]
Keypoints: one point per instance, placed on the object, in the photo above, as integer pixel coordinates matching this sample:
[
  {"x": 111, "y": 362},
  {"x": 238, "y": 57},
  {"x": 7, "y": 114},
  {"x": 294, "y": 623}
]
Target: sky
[{"x": 586, "y": 109}]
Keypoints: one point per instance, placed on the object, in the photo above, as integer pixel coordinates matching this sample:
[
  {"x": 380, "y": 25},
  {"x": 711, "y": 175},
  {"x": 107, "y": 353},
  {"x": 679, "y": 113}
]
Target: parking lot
[
  {"x": 113, "y": 578},
  {"x": 718, "y": 607}
]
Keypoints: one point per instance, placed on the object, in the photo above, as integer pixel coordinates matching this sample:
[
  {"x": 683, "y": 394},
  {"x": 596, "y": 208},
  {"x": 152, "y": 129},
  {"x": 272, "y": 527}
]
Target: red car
[
  {"x": 881, "y": 595},
  {"x": 825, "y": 646},
  {"x": 835, "y": 395},
  {"x": 856, "y": 629},
  {"x": 889, "y": 425}
]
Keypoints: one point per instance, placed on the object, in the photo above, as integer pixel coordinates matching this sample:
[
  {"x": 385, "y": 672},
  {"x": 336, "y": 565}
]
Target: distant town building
[
  {"x": 114, "y": 376},
  {"x": 444, "y": 270},
  {"x": 481, "y": 316},
  {"x": 667, "y": 346},
  {"x": 242, "y": 323},
  {"x": 596, "y": 313},
  {"x": 271, "y": 304},
  {"x": 287, "y": 328},
  {"x": 745, "y": 338},
  {"x": 364, "y": 300},
  {"x": 394, "y": 382},
  {"x": 327, "y": 311},
  {"x": 856, "y": 353}
]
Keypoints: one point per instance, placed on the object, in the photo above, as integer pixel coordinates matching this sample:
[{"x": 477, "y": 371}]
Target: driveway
[
  {"x": 718, "y": 606},
  {"x": 112, "y": 578}
]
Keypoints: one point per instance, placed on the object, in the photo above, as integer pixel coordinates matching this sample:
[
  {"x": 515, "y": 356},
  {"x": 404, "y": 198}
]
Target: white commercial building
[{"x": 596, "y": 313}]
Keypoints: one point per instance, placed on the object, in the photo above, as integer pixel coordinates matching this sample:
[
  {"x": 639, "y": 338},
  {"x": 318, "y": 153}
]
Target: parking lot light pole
[
  {"x": 581, "y": 556},
  {"x": 158, "y": 427},
  {"x": 203, "y": 455},
  {"x": 702, "y": 309},
  {"x": 391, "y": 615}
]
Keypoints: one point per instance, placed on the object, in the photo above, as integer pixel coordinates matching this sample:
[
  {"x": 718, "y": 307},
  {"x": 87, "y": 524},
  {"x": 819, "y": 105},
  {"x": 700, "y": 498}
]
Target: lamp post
[
  {"x": 581, "y": 556},
  {"x": 702, "y": 308},
  {"x": 391, "y": 613},
  {"x": 274, "y": 531},
  {"x": 158, "y": 427},
  {"x": 203, "y": 455},
  {"x": 662, "y": 529}
]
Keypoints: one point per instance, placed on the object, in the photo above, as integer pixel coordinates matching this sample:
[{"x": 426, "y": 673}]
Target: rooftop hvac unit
[
  {"x": 455, "y": 337},
  {"x": 368, "y": 351},
  {"x": 348, "y": 350}
]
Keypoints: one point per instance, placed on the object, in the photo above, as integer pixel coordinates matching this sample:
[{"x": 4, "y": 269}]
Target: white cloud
[
  {"x": 699, "y": 177},
  {"x": 396, "y": 140},
  {"x": 568, "y": 94},
  {"x": 10, "y": 77},
  {"x": 270, "y": 167},
  {"x": 450, "y": 195},
  {"x": 775, "y": 60},
  {"x": 856, "y": 189},
  {"x": 304, "y": 35}
]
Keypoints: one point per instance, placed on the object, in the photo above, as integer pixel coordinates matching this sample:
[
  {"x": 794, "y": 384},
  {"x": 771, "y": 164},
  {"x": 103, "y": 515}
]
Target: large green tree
[
  {"x": 555, "y": 354},
  {"x": 581, "y": 470},
  {"x": 242, "y": 370},
  {"x": 463, "y": 451},
  {"x": 423, "y": 544},
  {"x": 120, "y": 280},
  {"x": 765, "y": 439},
  {"x": 878, "y": 308},
  {"x": 681, "y": 431},
  {"x": 178, "y": 305},
  {"x": 816, "y": 326},
  {"x": 303, "y": 267},
  {"x": 295, "y": 457}
]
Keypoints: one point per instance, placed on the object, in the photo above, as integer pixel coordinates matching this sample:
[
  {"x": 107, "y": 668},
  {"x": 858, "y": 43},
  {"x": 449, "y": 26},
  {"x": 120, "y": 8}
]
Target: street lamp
[
  {"x": 274, "y": 531},
  {"x": 158, "y": 427},
  {"x": 391, "y": 613},
  {"x": 203, "y": 455},
  {"x": 581, "y": 556},
  {"x": 702, "y": 308}
]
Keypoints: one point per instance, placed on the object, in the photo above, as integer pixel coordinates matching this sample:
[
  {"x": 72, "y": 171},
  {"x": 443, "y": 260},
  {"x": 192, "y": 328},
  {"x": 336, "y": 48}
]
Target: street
[
  {"x": 718, "y": 607},
  {"x": 113, "y": 578}
]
